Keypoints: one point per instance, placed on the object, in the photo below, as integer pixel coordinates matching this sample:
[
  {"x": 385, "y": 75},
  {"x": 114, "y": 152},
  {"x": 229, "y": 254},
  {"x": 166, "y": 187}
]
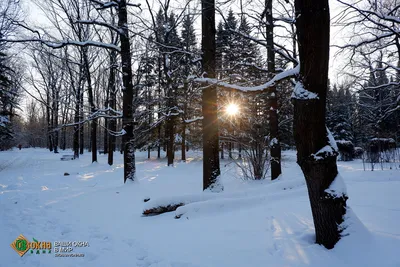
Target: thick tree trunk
[
  {"x": 211, "y": 170},
  {"x": 319, "y": 166},
  {"x": 273, "y": 115},
  {"x": 128, "y": 109}
]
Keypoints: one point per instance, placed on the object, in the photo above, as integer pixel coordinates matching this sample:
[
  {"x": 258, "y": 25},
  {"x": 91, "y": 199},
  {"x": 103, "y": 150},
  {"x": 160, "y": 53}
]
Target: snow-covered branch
[
  {"x": 61, "y": 44},
  {"x": 278, "y": 77},
  {"x": 100, "y": 23}
]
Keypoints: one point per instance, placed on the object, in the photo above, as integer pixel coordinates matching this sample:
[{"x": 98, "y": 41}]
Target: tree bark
[
  {"x": 81, "y": 128},
  {"x": 112, "y": 124},
  {"x": 93, "y": 123},
  {"x": 128, "y": 109},
  {"x": 273, "y": 115},
  {"x": 76, "y": 126},
  {"x": 211, "y": 170},
  {"x": 310, "y": 132}
]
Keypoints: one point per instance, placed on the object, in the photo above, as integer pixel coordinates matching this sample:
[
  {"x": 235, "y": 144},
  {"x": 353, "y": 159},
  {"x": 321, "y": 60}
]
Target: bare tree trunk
[
  {"x": 128, "y": 94},
  {"x": 113, "y": 92},
  {"x": 76, "y": 126},
  {"x": 56, "y": 133},
  {"x": 184, "y": 142},
  {"x": 310, "y": 132},
  {"x": 211, "y": 170},
  {"x": 48, "y": 118},
  {"x": 81, "y": 128},
  {"x": 273, "y": 115},
  {"x": 171, "y": 140},
  {"x": 183, "y": 148},
  {"x": 93, "y": 123}
]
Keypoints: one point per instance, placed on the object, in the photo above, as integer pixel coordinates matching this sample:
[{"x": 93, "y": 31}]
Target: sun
[{"x": 232, "y": 109}]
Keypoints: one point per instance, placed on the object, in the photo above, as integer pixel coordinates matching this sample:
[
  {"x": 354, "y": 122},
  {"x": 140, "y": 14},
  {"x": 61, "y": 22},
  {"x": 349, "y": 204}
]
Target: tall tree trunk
[
  {"x": 183, "y": 149},
  {"x": 211, "y": 170},
  {"x": 56, "y": 106},
  {"x": 112, "y": 123},
  {"x": 159, "y": 107},
  {"x": 171, "y": 140},
  {"x": 93, "y": 123},
  {"x": 273, "y": 115},
  {"x": 56, "y": 133},
  {"x": 105, "y": 130},
  {"x": 48, "y": 118},
  {"x": 310, "y": 133},
  {"x": 76, "y": 126},
  {"x": 105, "y": 136},
  {"x": 81, "y": 128},
  {"x": 128, "y": 109}
]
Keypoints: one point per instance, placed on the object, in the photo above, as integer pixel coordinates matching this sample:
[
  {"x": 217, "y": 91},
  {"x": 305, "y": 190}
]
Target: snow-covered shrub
[
  {"x": 346, "y": 150},
  {"x": 358, "y": 152},
  {"x": 254, "y": 161},
  {"x": 381, "y": 150}
]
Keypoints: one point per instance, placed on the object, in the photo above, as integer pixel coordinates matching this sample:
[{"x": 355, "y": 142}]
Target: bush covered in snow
[{"x": 346, "y": 150}]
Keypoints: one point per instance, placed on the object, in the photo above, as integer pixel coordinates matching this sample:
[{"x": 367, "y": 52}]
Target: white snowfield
[{"x": 250, "y": 224}]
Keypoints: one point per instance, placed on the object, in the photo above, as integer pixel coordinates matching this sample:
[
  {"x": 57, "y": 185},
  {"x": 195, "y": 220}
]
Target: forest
[{"x": 243, "y": 85}]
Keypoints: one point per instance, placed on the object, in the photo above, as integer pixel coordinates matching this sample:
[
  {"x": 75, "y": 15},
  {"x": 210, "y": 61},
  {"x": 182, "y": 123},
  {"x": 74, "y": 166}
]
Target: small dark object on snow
[
  {"x": 67, "y": 157},
  {"x": 19, "y": 146},
  {"x": 66, "y": 173},
  {"x": 117, "y": 192},
  {"x": 15, "y": 202},
  {"x": 162, "y": 209},
  {"x": 146, "y": 199}
]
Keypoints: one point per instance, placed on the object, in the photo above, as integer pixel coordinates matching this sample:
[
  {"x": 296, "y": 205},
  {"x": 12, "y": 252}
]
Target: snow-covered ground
[{"x": 252, "y": 223}]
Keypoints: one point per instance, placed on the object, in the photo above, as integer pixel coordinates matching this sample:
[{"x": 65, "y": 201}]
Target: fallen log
[{"x": 162, "y": 209}]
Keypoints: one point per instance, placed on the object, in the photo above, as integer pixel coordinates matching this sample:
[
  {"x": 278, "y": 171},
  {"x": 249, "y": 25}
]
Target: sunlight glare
[{"x": 232, "y": 109}]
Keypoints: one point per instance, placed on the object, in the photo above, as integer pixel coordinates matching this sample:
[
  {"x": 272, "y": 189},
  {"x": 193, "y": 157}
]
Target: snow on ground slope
[{"x": 252, "y": 223}]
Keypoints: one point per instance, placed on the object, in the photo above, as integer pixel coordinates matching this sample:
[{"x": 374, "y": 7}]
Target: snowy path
[{"x": 250, "y": 224}]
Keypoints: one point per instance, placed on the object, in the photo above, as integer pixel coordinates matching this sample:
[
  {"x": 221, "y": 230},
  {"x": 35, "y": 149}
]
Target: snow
[
  {"x": 194, "y": 119},
  {"x": 331, "y": 140},
  {"x": 273, "y": 142},
  {"x": 3, "y": 121},
  {"x": 326, "y": 150},
  {"x": 300, "y": 92},
  {"x": 337, "y": 187},
  {"x": 249, "y": 223}
]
